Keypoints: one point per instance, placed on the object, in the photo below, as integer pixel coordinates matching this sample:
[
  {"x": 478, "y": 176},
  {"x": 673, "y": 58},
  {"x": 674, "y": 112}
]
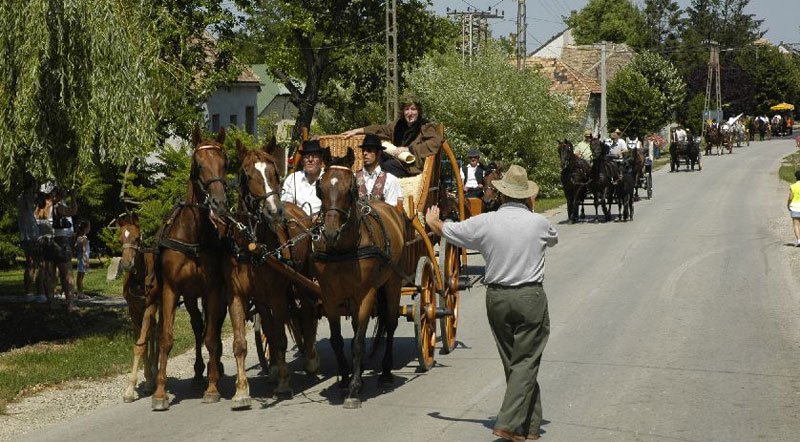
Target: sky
[{"x": 544, "y": 16}]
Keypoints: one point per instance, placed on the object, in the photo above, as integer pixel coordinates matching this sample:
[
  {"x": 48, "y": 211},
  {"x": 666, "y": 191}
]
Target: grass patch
[
  {"x": 94, "y": 343},
  {"x": 789, "y": 164},
  {"x": 545, "y": 204},
  {"x": 94, "y": 282}
]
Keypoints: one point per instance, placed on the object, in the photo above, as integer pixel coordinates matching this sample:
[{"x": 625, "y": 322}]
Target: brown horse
[
  {"x": 717, "y": 136},
  {"x": 357, "y": 261},
  {"x": 261, "y": 222},
  {"x": 190, "y": 264},
  {"x": 490, "y": 200},
  {"x": 575, "y": 172},
  {"x": 141, "y": 292}
]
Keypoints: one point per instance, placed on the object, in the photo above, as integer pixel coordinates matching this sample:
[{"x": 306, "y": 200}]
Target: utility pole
[
  {"x": 603, "y": 106},
  {"x": 713, "y": 71},
  {"x": 474, "y": 30},
  {"x": 392, "y": 110},
  {"x": 522, "y": 28}
]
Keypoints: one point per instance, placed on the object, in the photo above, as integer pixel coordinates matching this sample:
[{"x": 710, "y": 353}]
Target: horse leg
[
  {"x": 389, "y": 319},
  {"x": 161, "y": 399},
  {"x": 360, "y": 323},
  {"x": 237, "y": 298},
  {"x": 337, "y": 344},
  {"x": 140, "y": 350},
  {"x": 278, "y": 342},
  {"x": 151, "y": 354},
  {"x": 308, "y": 327},
  {"x": 214, "y": 318},
  {"x": 196, "y": 319}
]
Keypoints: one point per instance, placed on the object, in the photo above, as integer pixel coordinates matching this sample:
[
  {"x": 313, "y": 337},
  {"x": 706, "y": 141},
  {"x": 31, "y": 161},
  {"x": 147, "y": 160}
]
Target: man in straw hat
[
  {"x": 515, "y": 300},
  {"x": 618, "y": 145},
  {"x": 584, "y": 148},
  {"x": 373, "y": 182},
  {"x": 301, "y": 187}
]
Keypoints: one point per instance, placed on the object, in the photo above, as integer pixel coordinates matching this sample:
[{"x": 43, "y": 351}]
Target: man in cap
[
  {"x": 300, "y": 187},
  {"x": 373, "y": 182},
  {"x": 410, "y": 133},
  {"x": 472, "y": 175},
  {"x": 618, "y": 145},
  {"x": 516, "y": 303},
  {"x": 584, "y": 148}
]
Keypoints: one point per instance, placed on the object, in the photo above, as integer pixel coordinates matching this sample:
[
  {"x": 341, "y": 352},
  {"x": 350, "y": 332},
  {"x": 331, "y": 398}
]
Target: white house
[{"x": 234, "y": 104}]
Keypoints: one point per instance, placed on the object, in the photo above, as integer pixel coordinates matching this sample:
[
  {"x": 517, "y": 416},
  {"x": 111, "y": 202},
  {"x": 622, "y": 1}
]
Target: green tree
[
  {"x": 509, "y": 114},
  {"x": 662, "y": 26},
  {"x": 776, "y": 77},
  {"x": 617, "y": 21},
  {"x": 333, "y": 52}
]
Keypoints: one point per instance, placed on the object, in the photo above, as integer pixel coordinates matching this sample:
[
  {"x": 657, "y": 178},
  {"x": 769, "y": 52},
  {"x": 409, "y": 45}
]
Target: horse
[
  {"x": 636, "y": 160},
  {"x": 357, "y": 259},
  {"x": 603, "y": 178},
  {"x": 575, "y": 173},
  {"x": 717, "y": 135},
  {"x": 490, "y": 200},
  {"x": 625, "y": 189},
  {"x": 189, "y": 264},
  {"x": 688, "y": 150},
  {"x": 261, "y": 222},
  {"x": 739, "y": 134},
  {"x": 142, "y": 294}
]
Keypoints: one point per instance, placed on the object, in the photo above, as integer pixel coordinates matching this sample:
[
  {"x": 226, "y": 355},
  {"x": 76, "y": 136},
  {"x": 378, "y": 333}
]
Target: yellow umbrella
[{"x": 782, "y": 107}]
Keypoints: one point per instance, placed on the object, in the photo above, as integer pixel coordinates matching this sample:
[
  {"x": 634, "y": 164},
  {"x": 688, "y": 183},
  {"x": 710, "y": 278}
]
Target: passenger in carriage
[
  {"x": 584, "y": 149},
  {"x": 373, "y": 182},
  {"x": 301, "y": 187},
  {"x": 412, "y": 133},
  {"x": 618, "y": 146},
  {"x": 472, "y": 175}
]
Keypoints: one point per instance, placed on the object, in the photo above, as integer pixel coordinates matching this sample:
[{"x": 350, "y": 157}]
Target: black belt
[{"x": 518, "y": 286}]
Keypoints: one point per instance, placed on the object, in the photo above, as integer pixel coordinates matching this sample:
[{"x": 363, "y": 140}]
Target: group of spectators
[{"x": 50, "y": 239}]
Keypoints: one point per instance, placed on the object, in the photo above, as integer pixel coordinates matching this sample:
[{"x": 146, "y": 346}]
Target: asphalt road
[{"x": 679, "y": 326}]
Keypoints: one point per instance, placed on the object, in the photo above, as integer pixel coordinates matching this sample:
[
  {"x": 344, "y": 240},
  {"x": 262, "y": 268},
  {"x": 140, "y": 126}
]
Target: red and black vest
[{"x": 377, "y": 189}]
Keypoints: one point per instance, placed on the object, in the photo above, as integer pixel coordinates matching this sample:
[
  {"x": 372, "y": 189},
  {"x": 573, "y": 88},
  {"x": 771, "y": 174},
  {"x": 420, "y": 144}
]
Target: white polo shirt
[
  {"x": 470, "y": 182},
  {"x": 297, "y": 189}
]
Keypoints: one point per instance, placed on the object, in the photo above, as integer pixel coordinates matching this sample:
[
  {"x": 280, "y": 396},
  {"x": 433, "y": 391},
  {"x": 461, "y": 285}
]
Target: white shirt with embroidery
[
  {"x": 391, "y": 187},
  {"x": 470, "y": 182},
  {"x": 297, "y": 189}
]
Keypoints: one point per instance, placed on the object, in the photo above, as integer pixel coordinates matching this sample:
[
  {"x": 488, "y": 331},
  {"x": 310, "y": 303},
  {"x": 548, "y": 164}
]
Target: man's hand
[
  {"x": 353, "y": 132},
  {"x": 433, "y": 221}
]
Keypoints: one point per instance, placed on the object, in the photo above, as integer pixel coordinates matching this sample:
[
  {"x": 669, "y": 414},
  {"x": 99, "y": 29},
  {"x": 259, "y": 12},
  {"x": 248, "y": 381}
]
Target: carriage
[
  {"x": 432, "y": 279},
  {"x": 685, "y": 151}
]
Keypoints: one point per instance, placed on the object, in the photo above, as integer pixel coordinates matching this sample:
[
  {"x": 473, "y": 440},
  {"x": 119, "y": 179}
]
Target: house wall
[{"x": 233, "y": 100}]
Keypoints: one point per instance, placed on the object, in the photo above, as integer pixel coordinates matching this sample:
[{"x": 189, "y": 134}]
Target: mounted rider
[{"x": 373, "y": 182}]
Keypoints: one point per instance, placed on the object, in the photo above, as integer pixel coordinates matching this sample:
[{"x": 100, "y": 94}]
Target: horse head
[
  {"x": 338, "y": 192},
  {"x": 130, "y": 236},
  {"x": 566, "y": 152},
  {"x": 207, "y": 177},
  {"x": 259, "y": 183},
  {"x": 490, "y": 200},
  {"x": 599, "y": 149}
]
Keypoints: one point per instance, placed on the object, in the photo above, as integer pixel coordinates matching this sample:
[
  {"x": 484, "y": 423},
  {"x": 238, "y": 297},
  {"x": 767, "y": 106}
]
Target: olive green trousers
[{"x": 520, "y": 325}]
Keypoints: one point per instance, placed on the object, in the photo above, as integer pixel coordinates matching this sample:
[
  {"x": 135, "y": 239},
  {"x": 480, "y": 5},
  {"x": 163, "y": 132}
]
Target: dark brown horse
[
  {"x": 604, "y": 177},
  {"x": 575, "y": 174},
  {"x": 262, "y": 222},
  {"x": 142, "y": 293},
  {"x": 716, "y": 136},
  {"x": 357, "y": 261},
  {"x": 190, "y": 264},
  {"x": 490, "y": 200}
]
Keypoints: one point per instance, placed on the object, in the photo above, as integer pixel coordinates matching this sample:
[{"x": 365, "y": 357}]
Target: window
[
  {"x": 250, "y": 120},
  {"x": 234, "y": 120},
  {"x": 215, "y": 123}
]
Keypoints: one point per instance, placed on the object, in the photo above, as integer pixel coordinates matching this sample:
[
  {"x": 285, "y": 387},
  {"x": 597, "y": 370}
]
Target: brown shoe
[{"x": 507, "y": 435}]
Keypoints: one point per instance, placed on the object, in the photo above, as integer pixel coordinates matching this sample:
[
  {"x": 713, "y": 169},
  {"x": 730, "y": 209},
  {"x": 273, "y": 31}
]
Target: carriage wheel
[
  {"x": 449, "y": 265},
  {"x": 425, "y": 313},
  {"x": 262, "y": 346}
]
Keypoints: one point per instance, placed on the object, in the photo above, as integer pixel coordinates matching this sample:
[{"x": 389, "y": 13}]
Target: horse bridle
[
  {"x": 345, "y": 213},
  {"x": 255, "y": 203},
  {"x": 194, "y": 175}
]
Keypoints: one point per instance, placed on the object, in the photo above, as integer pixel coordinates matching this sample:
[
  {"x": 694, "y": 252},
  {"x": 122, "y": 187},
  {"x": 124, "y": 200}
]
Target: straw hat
[{"x": 515, "y": 184}]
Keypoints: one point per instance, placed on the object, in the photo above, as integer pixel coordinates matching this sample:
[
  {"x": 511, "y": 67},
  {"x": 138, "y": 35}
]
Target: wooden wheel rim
[
  {"x": 425, "y": 327},
  {"x": 449, "y": 323}
]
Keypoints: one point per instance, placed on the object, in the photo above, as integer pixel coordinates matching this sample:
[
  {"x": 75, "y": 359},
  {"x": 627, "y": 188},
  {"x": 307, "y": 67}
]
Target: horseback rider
[{"x": 373, "y": 182}]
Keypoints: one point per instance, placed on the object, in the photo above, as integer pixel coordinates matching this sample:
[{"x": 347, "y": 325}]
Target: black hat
[
  {"x": 373, "y": 141},
  {"x": 311, "y": 146},
  {"x": 473, "y": 153}
]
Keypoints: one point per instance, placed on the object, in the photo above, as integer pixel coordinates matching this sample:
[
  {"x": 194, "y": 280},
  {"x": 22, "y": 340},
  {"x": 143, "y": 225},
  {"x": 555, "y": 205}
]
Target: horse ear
[
  {"x": 221, "y": 135},
  {"x": 270, "y": 147},
  {"x": 197, "y": 135},
  {"x": 326, "y": 156},
  {"x": 240, "y": 149},
  {"x": 350, "y": 157}
]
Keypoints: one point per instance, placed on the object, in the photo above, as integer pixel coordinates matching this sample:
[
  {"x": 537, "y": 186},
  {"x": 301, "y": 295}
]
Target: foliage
[
  {"x": 617, "y": 21},
  {"x": 662, "y": 26},
  {"x": 333, "y": 52},
  {"x": 509, "y": 113},
  {"x": 644, "y": 95},
  {"x": 777, "y": 76},
  {"x": 69, "y": 69}
]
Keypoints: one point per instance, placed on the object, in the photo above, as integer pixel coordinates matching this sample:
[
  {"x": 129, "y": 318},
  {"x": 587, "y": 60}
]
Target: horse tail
[{"x": 382, "y": 307}]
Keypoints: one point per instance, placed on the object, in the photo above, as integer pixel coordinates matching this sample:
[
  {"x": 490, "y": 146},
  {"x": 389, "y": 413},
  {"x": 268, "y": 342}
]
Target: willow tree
[{"x": 77, "y": 86}]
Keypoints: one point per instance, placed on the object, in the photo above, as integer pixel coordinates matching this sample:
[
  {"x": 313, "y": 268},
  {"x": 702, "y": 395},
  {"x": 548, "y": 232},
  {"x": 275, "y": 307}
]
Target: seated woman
[{"x": 411, "y": 133}]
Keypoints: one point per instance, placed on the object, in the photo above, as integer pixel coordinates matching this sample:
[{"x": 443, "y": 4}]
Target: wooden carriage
[{"x": 434, "y": 294}]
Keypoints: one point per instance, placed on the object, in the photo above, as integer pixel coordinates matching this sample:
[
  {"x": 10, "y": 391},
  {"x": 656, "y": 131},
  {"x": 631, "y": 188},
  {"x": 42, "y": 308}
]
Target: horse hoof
[
  {"x": 242, "y": 403},
  {"x": 312, "y": 365},
  {"x": 160, "y": 404},
  {"x": 210, "y": 398},
  {"x": 284, "y": 393},
  {"x": 352, "y": 403},
  {"x": 128, "y": 398}
]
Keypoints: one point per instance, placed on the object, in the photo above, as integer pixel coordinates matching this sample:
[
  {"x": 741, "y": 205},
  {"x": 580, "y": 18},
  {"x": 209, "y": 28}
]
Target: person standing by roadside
[
  {"x": 64, "y": 208},
  {"x": 516, "y": 303},
  {"x": 82, "y": 251},
  {"x": 793, "y": 204}
]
